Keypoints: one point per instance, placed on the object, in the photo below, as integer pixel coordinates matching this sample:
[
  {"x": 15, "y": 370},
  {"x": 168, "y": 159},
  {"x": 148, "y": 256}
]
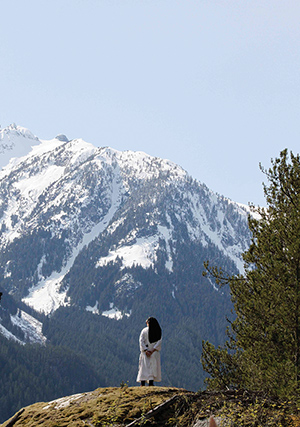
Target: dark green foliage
[
  {"x": 32, "y": 373},
  {"x": 263, "y": 351}
]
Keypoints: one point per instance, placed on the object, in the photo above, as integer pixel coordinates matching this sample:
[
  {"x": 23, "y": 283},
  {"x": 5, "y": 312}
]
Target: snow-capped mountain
[
  {"x": 92, "y": 242},
  {"x": 15, "y": 142},
  {"x": 61, "y": 200}
]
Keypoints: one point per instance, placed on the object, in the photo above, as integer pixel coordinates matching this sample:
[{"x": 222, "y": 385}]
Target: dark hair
[{"x": 154, "y": 333}]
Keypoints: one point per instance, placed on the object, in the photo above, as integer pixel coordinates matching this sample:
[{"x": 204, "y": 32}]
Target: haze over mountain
[{"x": 94, "y": 240}]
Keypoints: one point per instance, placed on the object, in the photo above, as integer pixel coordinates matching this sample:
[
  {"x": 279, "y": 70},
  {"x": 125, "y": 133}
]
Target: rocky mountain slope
[
  {"x": 93, "y": 241},
  {"x": 65, "y": 199}
]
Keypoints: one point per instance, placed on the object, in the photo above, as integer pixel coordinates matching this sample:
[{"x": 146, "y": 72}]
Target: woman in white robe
[{"x": 150, "y": 346}]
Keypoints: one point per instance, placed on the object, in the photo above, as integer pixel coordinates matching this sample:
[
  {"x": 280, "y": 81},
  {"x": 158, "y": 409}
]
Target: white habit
[{"x": 149, "y": 367}]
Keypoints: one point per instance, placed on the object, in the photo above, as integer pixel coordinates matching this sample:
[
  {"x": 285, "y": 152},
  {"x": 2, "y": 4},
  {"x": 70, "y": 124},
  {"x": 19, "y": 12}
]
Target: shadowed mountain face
[{"x": 98, "y": 240}]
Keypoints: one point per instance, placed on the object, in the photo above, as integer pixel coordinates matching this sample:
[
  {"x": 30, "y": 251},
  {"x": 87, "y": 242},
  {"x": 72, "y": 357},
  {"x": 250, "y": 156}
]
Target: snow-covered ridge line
[{"x": 69, "y": 193}]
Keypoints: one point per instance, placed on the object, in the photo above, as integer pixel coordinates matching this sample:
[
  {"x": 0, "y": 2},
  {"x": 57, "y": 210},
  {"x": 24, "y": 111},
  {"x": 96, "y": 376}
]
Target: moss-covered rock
[
  {"x": 102, "y": 407},
  {"x": 159, "y": 406}
]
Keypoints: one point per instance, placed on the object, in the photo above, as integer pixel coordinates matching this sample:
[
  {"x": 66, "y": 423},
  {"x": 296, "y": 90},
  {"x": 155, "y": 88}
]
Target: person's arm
[
  {"x": 143, "y": 342},
  {"x": 157, "y": 346}
]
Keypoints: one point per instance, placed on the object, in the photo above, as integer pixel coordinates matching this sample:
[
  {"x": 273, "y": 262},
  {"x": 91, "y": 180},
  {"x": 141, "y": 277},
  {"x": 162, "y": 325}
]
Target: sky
[{"x": 212, "y": 85}]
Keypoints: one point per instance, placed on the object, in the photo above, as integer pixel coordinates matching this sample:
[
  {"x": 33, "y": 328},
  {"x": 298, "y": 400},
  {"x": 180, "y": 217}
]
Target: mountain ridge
[
  {"x": 92, "y": 242},
  {"x": 35, "y": 195}
]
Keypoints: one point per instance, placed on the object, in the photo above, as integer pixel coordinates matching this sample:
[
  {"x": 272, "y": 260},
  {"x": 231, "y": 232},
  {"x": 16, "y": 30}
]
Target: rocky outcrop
[{"x": 158, "y": 406}]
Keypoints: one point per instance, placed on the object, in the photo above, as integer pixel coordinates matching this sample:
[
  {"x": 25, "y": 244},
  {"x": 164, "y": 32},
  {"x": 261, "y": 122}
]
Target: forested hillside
[{"x": 34, "y": 373}]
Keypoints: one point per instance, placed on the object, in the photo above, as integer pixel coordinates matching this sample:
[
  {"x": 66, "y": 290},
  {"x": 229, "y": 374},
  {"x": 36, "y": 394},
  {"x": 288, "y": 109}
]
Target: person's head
[{"x": 154, "y": 329}]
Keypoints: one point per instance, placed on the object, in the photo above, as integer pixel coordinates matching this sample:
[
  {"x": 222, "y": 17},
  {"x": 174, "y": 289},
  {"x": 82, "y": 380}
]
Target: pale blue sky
[{"x": 212, "y": 85}]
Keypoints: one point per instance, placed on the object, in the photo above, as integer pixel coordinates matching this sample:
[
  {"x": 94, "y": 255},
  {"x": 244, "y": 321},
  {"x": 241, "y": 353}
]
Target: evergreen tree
[{"x": 263, "y": 349}]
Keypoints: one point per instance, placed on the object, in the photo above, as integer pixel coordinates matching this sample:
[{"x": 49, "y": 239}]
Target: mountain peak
[
  {"x": 15, "y": 142},
  {"x": 62, "y": 138},
  {"x": 15, "y": 130}
]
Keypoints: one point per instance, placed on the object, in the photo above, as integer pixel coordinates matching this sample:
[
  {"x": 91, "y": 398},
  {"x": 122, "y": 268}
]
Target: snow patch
[
  {"x": 166, "y": 234},
  {"x": 142, "y": 252},
  {"x": 82, "y": 151},
  {"x": 115, "y": 313},
  {"x": 9, "y": 335},
  {"x": 46, "y": 297},
  {"x": 31, "y": 327},
  {"x": 32, "y": 187},
  {"x": 94, "y": 310}
]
